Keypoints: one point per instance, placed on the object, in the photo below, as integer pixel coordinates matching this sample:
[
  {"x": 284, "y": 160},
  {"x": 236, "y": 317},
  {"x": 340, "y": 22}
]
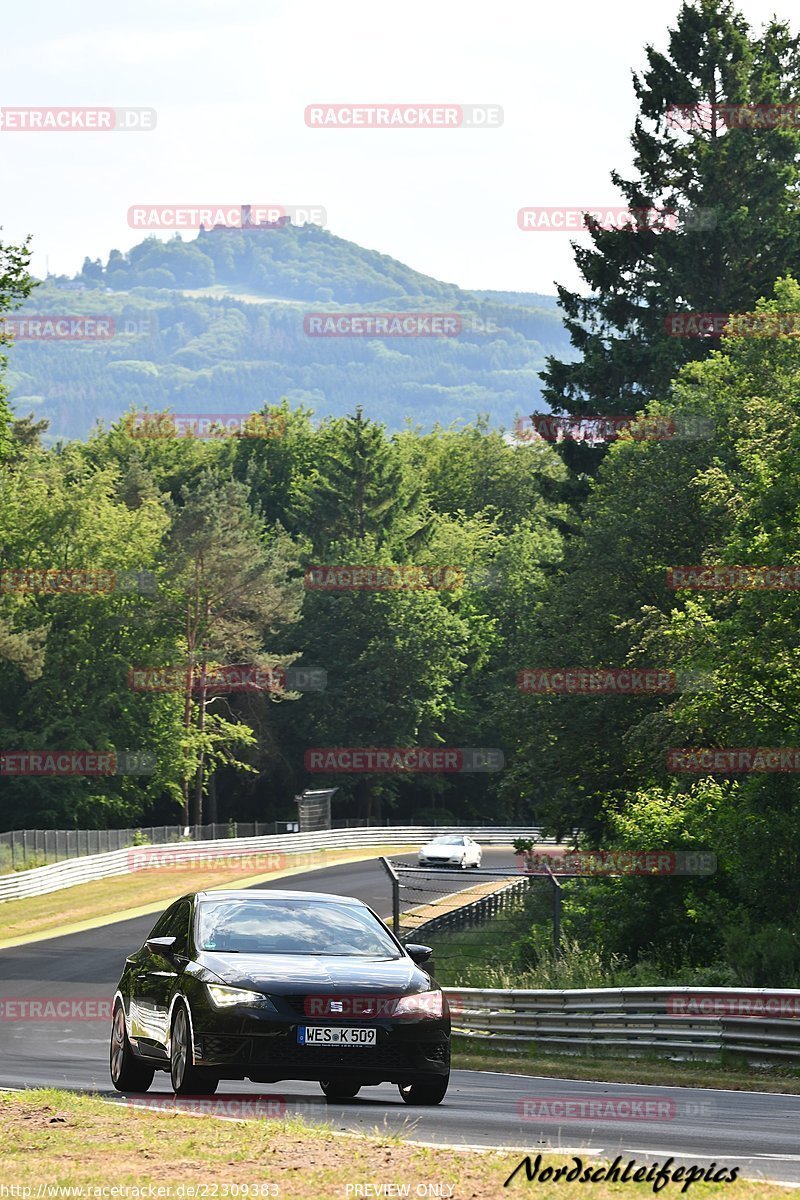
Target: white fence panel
[{"x": 40, "y": 880}]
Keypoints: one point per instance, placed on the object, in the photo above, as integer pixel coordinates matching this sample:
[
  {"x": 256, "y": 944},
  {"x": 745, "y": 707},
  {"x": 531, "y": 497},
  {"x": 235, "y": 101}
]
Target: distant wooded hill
[{"x": 216, "y": 325}]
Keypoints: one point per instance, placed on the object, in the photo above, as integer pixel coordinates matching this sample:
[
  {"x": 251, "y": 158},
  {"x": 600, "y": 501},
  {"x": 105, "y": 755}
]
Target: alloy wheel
[
  {"x": 179, "y": 1048},
  {"x": 117, "y": 1044}
]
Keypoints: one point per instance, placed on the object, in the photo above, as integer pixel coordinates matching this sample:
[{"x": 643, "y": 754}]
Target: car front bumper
[{"x": 265, "y": 1048}]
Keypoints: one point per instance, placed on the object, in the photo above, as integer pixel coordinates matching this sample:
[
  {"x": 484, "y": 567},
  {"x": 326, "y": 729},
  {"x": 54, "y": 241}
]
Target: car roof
[{"x": 276, "y": 894}]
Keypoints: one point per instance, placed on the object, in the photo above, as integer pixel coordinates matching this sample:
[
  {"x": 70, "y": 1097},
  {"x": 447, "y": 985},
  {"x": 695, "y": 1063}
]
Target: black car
[{"x": 276, "y": 985}]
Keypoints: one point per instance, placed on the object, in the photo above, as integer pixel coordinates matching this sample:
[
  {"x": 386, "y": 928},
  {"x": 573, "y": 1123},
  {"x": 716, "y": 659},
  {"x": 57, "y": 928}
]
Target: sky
[{"x": 230, "y": 85}]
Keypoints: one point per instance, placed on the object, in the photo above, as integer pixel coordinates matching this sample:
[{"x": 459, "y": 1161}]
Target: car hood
[
  {"x": 441, "y": 851},
  {"x": 285, "y": 973}
]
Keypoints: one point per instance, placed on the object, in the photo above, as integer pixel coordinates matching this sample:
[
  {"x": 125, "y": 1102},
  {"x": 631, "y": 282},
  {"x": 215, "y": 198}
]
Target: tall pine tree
[
  {"x": 740, "y": 181},
  {"x": 361, "y": 489}
]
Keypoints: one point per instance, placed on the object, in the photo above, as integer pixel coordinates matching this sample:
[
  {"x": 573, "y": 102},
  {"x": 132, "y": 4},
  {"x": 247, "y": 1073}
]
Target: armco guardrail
[
  {"x": 40, "y": 880},
  {"x": 757, "y": 1024}
]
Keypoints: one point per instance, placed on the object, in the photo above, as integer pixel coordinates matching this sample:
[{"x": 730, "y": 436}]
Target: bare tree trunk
[
  {"x": 212, "y": 798},
  {"x": 191, "y": 645},
  {"x": 201, "y": 724},
  {"x": 187, "y": 725},
  {"x": 192, "y": 624}
]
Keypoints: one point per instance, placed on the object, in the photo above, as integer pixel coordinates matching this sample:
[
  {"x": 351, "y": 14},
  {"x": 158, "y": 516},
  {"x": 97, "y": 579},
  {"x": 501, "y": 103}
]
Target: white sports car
[{"x": 450, "y": 850}]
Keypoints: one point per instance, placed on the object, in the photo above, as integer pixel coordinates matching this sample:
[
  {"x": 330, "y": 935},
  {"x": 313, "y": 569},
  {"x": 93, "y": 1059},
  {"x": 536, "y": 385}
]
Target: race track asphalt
[{"x": 758, "y": 1132}]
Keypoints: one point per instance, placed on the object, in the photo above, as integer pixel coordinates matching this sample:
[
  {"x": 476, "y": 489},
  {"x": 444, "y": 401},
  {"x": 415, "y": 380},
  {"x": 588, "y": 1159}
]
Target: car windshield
[
  {"x": 448, "y": 841},
  {"x": 291, "y": 927}
]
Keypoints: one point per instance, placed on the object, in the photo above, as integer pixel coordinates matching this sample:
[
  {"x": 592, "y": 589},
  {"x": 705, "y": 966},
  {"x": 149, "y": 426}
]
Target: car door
[{"x": 156, "y": 980}]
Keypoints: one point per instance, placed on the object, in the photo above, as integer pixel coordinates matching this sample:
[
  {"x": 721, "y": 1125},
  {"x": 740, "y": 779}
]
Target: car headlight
[
  {"x": 225, "y": 997},
  {"x": 421, "y": 1004}
]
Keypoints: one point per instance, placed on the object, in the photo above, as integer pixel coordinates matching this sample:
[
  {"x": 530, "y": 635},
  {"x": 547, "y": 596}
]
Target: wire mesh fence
[
  {"x": 476, "y": 921},
  {"x": 21, "y": 849}
]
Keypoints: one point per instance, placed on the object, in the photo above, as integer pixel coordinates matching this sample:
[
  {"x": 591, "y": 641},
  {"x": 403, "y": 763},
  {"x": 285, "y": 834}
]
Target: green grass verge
[{"x": 53, "y": 1140}]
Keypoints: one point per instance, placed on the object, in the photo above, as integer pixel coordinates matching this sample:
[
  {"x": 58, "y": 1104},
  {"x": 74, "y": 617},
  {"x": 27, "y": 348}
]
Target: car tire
[
  {"x": 339, "y": 1089},
  {"x": 128, "y": 1073},
  {"x": 464, "y": 863},
  {"x": 431, "y": 1090},
  {"x": 187, "y": 1079}
]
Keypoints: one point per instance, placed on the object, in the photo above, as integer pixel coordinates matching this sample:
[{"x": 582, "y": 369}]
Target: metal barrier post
[
  {"x": 557, "y": 890},
  {"x": 390, "y": 871}
]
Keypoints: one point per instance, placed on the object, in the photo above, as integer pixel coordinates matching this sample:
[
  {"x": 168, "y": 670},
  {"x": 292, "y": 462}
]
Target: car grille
[{"x": 298, "y": 1005}]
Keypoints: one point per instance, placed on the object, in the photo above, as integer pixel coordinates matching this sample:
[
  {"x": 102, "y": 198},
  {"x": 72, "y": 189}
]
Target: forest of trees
[
  {"x": 564, "y": 551},
  {"x": 225, "y": 528}
]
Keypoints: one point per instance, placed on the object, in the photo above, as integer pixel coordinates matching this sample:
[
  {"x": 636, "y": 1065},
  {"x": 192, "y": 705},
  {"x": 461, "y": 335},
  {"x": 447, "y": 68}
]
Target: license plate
[{"x": 332, "y": 1035}]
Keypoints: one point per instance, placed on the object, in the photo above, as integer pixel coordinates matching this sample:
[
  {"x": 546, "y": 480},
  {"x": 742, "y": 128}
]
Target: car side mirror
[
  {"x": 419, "y": 954},
  {"x": 164, "y": 946}
]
